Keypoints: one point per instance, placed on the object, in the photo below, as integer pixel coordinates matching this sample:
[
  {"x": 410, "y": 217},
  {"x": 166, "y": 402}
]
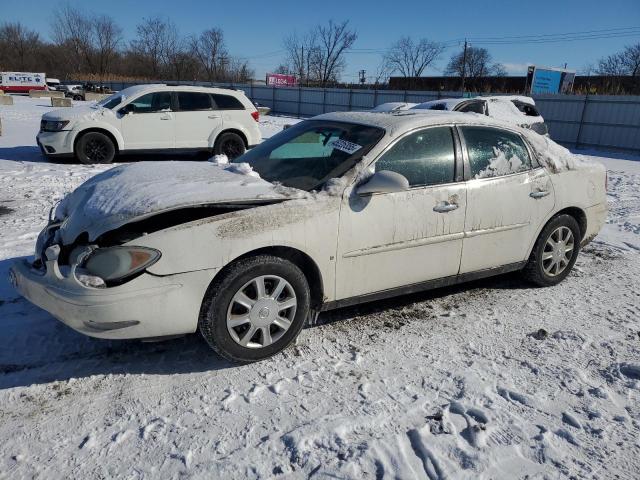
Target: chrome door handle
[
  {"x": 445, "y": 207},
  {"x": 165, "y": 117},
  {"x": 214, "y": 116},
  {"x": 539, "y": 194}
]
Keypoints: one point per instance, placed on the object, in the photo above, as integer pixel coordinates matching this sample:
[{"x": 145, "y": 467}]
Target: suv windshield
[
  {"x": 111, "y": 101},
  {"x": 308, "y": 154}
]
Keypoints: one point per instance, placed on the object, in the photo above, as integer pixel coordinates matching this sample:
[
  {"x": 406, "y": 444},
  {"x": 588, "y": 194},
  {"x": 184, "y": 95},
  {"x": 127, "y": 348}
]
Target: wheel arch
[
  {"x": 302, "y": 260},
  {"x": 104, "y": 131},
  {"x": 237, "y": 131},
  {"x": 576, "y": 212}
]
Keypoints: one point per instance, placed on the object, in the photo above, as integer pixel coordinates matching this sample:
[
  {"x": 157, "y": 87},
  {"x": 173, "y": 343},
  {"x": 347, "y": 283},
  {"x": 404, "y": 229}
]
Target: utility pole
[
  {"x": 464, "y": 64},
  {"x": 362, "y": 77}
]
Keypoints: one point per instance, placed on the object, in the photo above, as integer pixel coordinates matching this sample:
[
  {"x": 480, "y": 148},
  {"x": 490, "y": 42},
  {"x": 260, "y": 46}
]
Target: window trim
[
  {"x": 175, "y": 94},
  {"x": 240, "y": 108},
  {"x": 465, "y": 151},
  {"x": 458, "y": 160},
  {"x": 131, "y": 101}
]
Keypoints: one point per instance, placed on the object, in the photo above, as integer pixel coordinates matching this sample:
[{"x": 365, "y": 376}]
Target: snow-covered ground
[{"x": 454, "y": 383}]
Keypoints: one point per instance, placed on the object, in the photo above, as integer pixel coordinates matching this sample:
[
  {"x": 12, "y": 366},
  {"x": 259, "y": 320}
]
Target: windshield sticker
[{"x": 345, "y": 146}]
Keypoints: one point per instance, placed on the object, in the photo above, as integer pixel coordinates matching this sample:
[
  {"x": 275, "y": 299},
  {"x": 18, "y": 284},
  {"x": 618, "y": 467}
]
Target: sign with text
[
  {"x": 550, "y": 80},
  {"x": 281, "y": 80}
]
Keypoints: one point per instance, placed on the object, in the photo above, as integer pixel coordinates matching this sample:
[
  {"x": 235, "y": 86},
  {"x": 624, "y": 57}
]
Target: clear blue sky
[{"x": 255, "y": 29}]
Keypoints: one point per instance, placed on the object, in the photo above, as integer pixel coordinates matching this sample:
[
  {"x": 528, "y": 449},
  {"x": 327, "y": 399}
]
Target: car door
[
  {"x": 147, "y": 122},
  {"x": 392, "y": 240},
  {"x": 508, "y": 196},
  {"x": 196, "y": 120}
]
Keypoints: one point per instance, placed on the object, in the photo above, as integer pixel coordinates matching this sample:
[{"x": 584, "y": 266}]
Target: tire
[
  {"x": 95, "y": 147},
  {"x": 231, "y": 144},
  {"x": 547, "y": 265},
  {"x": 226, "y": 324}
]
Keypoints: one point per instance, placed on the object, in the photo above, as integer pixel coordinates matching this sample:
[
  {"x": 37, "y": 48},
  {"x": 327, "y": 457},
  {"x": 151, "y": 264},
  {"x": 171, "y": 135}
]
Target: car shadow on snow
[
  {"x": 35, "y": 348},
  {"x": 22, "y": 153}
]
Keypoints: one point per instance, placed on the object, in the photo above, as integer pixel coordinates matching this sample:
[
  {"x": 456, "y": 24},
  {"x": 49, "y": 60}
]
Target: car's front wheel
[
  {"x": 95, "y": 147},
  {"x": 256, "y": 309},
  {"x": 230, "y": 144},
  {"x": 554, "y": 252}
]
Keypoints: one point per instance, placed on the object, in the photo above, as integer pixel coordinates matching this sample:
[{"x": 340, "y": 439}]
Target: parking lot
[{"x": 493, "y": 379}]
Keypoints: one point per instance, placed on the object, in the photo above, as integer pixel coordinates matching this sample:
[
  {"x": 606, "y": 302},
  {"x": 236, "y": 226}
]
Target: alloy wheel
[
  {"x": 558, "y": 251},
  {"x": 261, "y": 311}
]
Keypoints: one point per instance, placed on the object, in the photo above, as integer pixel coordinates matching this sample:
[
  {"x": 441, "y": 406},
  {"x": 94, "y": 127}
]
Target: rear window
[
  {"x": 526, "y": 108},
  {"x": 190, "y": 101},
  {"x": 227, "y": 102}
]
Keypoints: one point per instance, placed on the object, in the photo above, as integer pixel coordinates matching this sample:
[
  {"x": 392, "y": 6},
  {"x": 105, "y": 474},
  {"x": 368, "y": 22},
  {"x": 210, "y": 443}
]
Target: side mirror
[
  {"x": 127, "y": 109},
  {"x": 384, "y": 181}
]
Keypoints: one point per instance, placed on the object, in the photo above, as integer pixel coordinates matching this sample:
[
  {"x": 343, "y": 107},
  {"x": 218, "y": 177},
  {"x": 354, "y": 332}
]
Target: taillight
[{"x": 256, "y": 115}]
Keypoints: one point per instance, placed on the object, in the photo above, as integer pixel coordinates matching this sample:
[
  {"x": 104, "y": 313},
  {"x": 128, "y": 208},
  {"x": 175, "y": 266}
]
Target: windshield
[
  {"x": 111, "y": 101},
  {"x": 308, "y": 154}
]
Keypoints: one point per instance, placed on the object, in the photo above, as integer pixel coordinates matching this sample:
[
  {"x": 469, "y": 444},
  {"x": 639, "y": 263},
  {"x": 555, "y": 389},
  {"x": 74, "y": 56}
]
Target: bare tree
[
  {"x": 626, "y": 62},
  {"x": 319, "y": 55},
  {"x": 410, "y": 58},
  {"x": 74, "y": 29},
  {"x": 333, "y": 40},
  {"x": 17, "y": 46},
  {"x": 150, "y": 43},
  {"x": 479, "y": 63},
  {"x": 300, "y": 52},
  {"x": 108, "y": 36},
  {"x": 211, "y": 53}
]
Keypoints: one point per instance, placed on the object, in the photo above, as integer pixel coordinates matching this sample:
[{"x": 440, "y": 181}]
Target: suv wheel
[
  {"x": 95, "y": 147},
  {"x": 256, "y": 309},
  {"x": 554, "y": 252},
  {"x": 230, "y": 144}
]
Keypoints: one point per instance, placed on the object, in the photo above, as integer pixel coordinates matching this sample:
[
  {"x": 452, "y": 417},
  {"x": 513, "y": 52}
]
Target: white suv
[{"x": 152, "y": 118}]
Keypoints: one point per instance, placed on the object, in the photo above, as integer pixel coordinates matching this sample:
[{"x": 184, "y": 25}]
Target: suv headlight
[
  {"x": 53, "y": 125},
  {"x": 118, "y": 263}
]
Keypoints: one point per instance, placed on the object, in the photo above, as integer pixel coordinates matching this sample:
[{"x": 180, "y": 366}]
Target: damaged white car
[{"x": 336, "y": 210}]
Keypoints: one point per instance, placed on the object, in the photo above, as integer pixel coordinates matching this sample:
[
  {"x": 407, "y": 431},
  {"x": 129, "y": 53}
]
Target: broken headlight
[{"x": 114, "y": 264}]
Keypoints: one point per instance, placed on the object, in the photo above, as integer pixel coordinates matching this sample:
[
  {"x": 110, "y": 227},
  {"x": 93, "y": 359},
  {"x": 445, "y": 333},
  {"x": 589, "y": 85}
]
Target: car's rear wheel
[
  {"x": 554, "y": 252},
  {"x": 230, "y": 144},
  {"x": 256, "y": 309},
  {"x": 95, "y": 147}
]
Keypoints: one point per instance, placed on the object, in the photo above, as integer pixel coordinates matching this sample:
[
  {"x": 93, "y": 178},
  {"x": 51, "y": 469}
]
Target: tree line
[
  {"x": 85, "y": 45},
  {"x": 89, "y": 46}
]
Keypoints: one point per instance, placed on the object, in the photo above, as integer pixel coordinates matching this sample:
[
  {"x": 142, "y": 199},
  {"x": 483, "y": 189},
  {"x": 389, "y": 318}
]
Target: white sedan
[{"x": 336, "y": 210}]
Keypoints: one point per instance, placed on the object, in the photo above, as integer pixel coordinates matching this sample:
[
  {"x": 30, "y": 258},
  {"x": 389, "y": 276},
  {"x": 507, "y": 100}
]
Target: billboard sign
[
  {"x": 549, "y": 80},
  {"x": 280, "y": 80},
  {"x": 22, "y": 82}
]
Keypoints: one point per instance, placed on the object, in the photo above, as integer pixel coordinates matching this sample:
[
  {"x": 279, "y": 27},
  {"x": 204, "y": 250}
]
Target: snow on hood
[
  {"x": 81, "y": 112},
  {"x": 132, "y": 192}
]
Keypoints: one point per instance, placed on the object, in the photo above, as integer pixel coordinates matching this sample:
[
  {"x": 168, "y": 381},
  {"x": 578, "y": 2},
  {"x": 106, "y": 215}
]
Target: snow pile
[
  {"x": 221, "y": 159},
  {"x": 501, "y": 165},
  {"x": 127, "y": 192}
]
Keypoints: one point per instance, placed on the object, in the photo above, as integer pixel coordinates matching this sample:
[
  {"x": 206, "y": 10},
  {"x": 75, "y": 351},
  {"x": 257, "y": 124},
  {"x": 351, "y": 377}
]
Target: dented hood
[{"x": 136, "y": 191}]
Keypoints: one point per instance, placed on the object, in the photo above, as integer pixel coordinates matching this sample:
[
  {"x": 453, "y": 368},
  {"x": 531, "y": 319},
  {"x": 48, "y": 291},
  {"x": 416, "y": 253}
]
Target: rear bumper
[{"x": 145, "y": 307}]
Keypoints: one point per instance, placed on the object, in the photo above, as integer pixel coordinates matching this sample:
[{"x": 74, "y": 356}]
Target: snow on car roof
[{"x": 408, "y": 119}]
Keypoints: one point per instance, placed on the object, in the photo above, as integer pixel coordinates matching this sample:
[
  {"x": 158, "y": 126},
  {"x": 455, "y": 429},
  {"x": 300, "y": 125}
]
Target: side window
[
  {"x": 191, "y": 101},
  {"x": 494, "y": 152},
  {"x": 425, "y": 158},
  {"x": 438, "y": 106},
  {"x": 152, "y": 102},
  {"x": 473, "y": 107},
  {"x": 227, "y": 102}
]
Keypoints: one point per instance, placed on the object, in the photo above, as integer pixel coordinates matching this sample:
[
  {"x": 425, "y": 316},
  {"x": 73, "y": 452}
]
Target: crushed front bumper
[{"x": 147, "y": 306}]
